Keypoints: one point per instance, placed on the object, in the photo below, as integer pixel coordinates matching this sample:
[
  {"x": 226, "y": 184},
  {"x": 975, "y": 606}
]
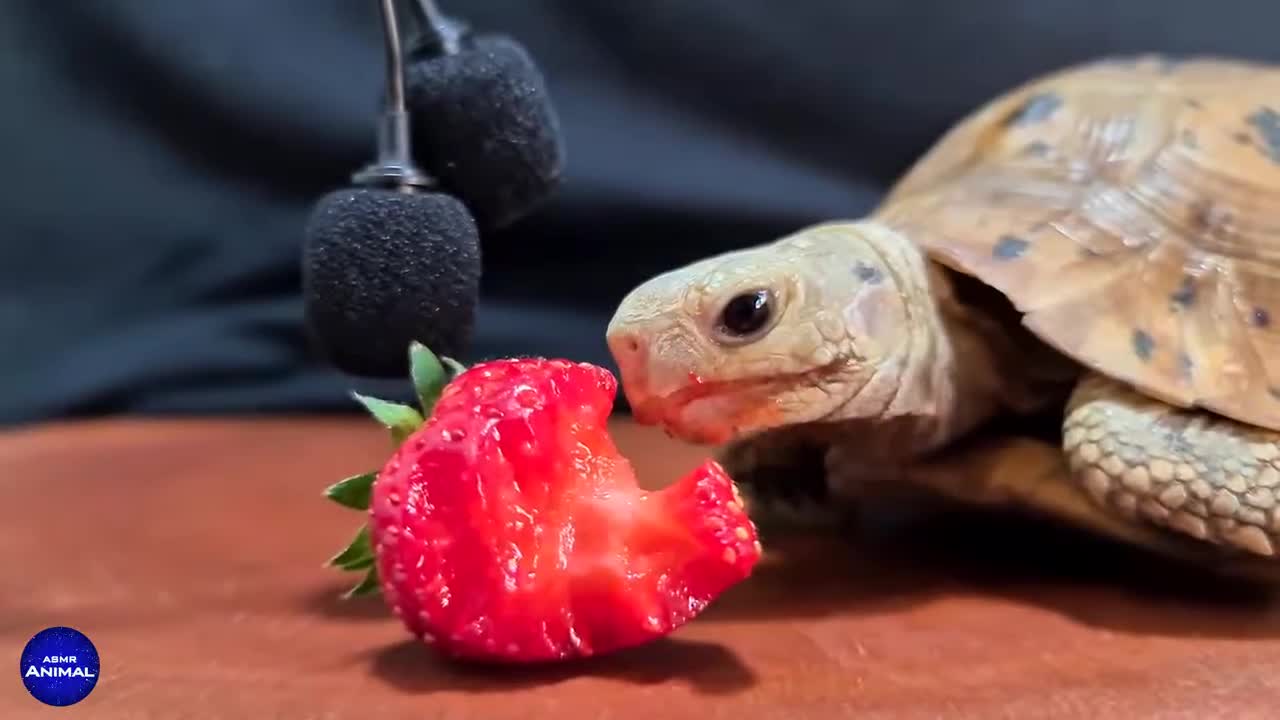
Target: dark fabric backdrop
[{"x": 160, "y": 156}]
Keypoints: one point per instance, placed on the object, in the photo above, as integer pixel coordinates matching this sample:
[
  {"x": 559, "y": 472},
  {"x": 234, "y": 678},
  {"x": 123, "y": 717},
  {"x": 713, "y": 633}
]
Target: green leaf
[
  {"x": 402, "y": 420},
  {"x": 361, "y": 564},
  {"x": 367, "y": 586},
  {"x": 356, "y": 556},
  {"x": 455, "y": 368},
  {"x": 429, "y": 376},
  {"x": 353, "y": 492}
]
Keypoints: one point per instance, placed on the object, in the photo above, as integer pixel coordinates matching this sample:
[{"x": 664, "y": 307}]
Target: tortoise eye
[{"x": 746, "y": 315}]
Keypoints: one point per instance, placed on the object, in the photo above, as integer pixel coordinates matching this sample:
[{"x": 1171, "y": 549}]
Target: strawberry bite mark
[{"x": 509, "y": 526}]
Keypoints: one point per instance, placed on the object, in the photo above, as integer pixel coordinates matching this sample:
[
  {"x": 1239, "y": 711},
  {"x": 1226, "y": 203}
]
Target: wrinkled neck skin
[{"x": 938, "y": 384}]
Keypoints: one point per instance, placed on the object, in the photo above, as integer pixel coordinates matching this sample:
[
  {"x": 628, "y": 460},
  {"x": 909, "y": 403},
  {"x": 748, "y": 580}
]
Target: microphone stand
[{"x": 394, "y": 167}]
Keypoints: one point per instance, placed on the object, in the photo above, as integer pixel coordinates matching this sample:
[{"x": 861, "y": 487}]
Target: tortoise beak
[
  {"x": 646, "y": 388},
  {"x": 631, "y": 354},
  {"x": 667, "y": 395}
]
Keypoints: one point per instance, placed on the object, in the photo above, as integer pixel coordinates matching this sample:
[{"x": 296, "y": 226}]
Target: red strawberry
[{"x": 509, "y": 527}]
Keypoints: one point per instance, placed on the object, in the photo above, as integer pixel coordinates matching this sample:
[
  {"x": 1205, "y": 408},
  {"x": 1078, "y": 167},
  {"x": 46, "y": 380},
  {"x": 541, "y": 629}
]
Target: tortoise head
[{"x": 814, "y": 326}]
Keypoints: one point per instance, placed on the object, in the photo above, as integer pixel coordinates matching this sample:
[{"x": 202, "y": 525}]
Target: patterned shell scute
[{"x": 1131, "y": 210}]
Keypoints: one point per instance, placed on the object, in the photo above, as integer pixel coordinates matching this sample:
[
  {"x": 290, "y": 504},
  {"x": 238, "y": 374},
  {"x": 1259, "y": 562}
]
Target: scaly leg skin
[
  {"x": 1030, "y": 475},
  {"x": 1201, "y": 475},
  {"x": 1034, "y": 476},
  {"x": 781, "y": 476}
]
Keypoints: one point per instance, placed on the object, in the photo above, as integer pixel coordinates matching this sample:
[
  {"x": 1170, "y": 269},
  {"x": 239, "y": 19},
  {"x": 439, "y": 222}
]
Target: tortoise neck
[
  {"x": 935, "y": 355},
  {"x": 952, "y": 364},
  {"x": 982, "y": 362},
  {"x": 929, "y": 379},
  {"x": 933, "y": 383}
]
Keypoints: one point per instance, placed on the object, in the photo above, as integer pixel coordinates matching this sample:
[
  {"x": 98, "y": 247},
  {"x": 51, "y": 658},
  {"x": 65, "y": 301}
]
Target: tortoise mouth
[{"x": 714, "y": 412}]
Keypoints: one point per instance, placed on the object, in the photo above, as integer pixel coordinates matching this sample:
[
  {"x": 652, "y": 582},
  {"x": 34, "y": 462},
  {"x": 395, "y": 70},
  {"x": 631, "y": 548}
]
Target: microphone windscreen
[
  {"x": 382, "y": 268},
  {"x": 484, "y": 126}
]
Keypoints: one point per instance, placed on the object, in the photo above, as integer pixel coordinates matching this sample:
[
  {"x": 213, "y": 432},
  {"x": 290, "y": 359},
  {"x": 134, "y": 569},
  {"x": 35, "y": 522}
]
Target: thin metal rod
[
  {"x": 394, "y": 166},
  {"x": 395, "y": 58}
]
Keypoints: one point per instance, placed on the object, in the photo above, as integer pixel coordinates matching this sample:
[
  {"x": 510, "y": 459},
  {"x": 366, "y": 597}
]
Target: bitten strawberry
[{"x": 507, "y": 525}]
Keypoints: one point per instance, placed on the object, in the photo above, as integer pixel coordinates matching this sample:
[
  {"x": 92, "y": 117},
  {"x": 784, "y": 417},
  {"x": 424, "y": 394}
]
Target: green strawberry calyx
[{"x": 430, "y": 374}]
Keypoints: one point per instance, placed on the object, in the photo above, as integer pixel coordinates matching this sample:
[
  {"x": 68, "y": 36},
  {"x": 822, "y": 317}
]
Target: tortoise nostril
[{"x": 627, "y": 348}]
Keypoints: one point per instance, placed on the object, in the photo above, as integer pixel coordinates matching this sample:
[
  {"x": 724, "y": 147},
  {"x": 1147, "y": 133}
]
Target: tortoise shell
[{"x": 1130, "y": 210}]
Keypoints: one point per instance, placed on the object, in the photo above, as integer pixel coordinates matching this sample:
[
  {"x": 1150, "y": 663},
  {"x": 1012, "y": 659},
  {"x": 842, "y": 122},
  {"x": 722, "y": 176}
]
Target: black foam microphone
[
  {"x": 482, "y": 121},
  {"x": 390, "y": 261}
]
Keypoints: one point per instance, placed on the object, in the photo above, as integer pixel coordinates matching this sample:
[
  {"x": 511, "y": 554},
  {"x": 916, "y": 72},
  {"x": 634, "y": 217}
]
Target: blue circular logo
[{"x": 59, "y": 666}]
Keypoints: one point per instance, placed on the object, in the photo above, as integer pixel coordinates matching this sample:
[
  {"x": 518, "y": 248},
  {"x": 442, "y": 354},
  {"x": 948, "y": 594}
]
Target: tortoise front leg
[
  {"x": 1027, "y": 474},
  {"x": 1034, "y": 476},
  {"x": 1207, "y": 477}
]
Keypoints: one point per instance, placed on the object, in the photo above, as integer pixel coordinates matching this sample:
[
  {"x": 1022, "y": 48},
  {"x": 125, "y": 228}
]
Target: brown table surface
[{"x": 191, "y": 553}]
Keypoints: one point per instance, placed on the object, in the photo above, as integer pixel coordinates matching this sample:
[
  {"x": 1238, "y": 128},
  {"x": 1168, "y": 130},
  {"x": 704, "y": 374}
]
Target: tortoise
[{"x": 1099, "y": 246}]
